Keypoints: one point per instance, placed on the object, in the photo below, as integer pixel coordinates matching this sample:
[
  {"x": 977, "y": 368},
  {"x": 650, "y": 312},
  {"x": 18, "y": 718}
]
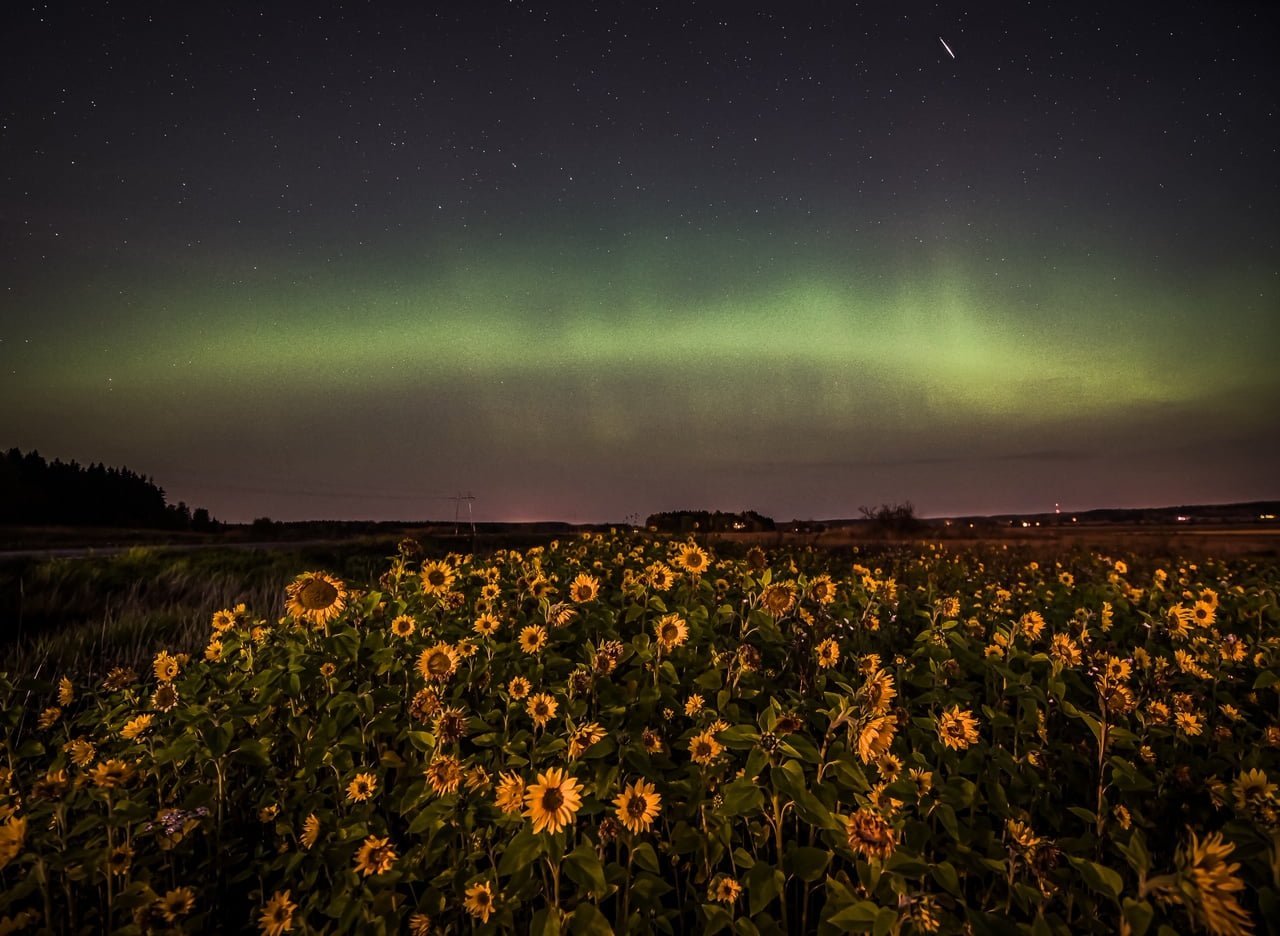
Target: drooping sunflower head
[
  {"x": 316, "y": 597},
  {"x": 509, "y": 795},
  {"x": 870, "y": 836},
  {"x": 310, "y": 831}
]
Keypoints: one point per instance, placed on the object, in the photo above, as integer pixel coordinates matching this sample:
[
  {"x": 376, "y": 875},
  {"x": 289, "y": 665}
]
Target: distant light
[
  {"x": 1037, "y": 523},
  {"x": 1074, "y": 519},
  {"x": 1182, "y": 519},
  {"x": 971, "y": 526},
  {"x": 1266, "y": 516},
  {"x": 1025, "y": 523}
]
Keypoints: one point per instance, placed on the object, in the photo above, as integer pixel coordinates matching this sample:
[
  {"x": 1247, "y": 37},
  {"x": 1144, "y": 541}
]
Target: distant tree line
[
  {"x": 705, "y": 521},
  {"x": 35, "y": 491}
]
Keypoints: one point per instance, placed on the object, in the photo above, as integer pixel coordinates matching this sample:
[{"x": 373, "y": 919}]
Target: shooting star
[{"x": 947, "y": 47}]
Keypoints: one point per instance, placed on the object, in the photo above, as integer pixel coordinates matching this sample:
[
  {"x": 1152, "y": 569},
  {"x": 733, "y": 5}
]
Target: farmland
[{"x": 631, "y": 733}]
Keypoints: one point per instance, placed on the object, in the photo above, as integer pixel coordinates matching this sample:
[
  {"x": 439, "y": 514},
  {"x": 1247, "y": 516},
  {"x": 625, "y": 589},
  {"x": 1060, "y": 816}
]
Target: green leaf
[
  {"x": 741, "y": 797},
  {"x": 1266, "y": 679},
  {"x": 1099, "y": 877},
  {"x": 764, "y": 883},
  {"x": 944, "y": 872},
  {"x": 884, "y": 921},
  {"x": 857, "y": 918},
  {"x": 519, "y": 853},
  {"x": 252, "y": 751},
  {"x": 1139, "y": 913},
  {"x": 739, "y": 737},
  {"x": 546, "y": 922},
  {"x": 589, "y": 921},
  {"x": 808, "y": 864},
  {"x": 584, "y": 868},
  {"x": 718, "y": 918},
  {"x": 646, "y": 858}
]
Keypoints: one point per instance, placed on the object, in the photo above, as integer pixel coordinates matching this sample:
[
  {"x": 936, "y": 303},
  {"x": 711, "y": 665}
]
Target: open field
[{"x": 640, "y": 734}]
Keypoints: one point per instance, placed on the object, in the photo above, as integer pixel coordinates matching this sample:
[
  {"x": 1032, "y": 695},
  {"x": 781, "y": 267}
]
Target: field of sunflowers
[{"x": 628, "y": 733}]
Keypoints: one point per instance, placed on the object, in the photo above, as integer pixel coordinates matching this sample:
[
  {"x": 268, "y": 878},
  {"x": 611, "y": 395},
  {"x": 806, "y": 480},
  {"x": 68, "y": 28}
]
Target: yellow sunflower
[
  {"x": 310, "y": 831},
  {"x": 869, "y": 835},
  {"x": 444, "y": 774},
  {"x": 1214, "y": 883},
  {"x": 176, "y": 904},
  {"x": 518, "y": 688},
  {"x": 136, "y": 727},
  {"x": 13, "y": 833},
  {"x": 584, "y": 588},
  {"x": 316, "y": 597},
  {"x": 553, "y": 801},
  {"x": 704, "y": 748},
  {"x": 638, "y": 805},
  {"x": 1204, "y": 614},
  {"x": 437, "y": 577},
  {"x": 509, "y": 795},
  {"x": 533, "y": 638},
  {"x": 659, "y": 576},
  {"x": 66, "y": 692},
  {"x": 724, "y": 889},
  {"x": 672, "y": 631},
  {"x": 375, "y": 856},
  {"x": 583, "y": 737},
  {"x": 957, "y": 728},
  {"x": 875, "y": 738},
  {"x": 479, "y": 902},
  {"x": 165, "y": 666},
  {"x": 693, "y": 559},
  {"x": 277, "y": 915},
  {"x": 541, "y": 708},
  {"x": 778, "y": 598},
  {"x": 822, "y": 590},
  {"x": 828, "y": 653},
  {"x": 165, "y": 698},
  {"x": 223, "y": 620},
  {"x": 362, "y": 787},
  {"x": 486, "y": 625},
  {"x": 403, "y": 626},
  {"x": 438, "y": 663}
]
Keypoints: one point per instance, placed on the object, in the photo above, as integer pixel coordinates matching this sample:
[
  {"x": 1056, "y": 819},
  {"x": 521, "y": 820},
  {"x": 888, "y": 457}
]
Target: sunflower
[
  {"x": 277, "y": 915},
  {"x": 957, "y": 728},
  {"x": 584, "y": 588},
  {"x": 451, "y": 724},
  {"x": 213, "y": 652},
  {"x": 509, "y": 795},
  {"x": 444, "y": 773},
  {"x": 828, "y": 653},
  {"x": 704, "y": 748},
  {"x": 176, "y": 903},
  {"x": 224, "y": 620},
  {"x": 1214, "y": 884},
  {"x": 1117, "y": 669},
  {"x": 165, "y": 666},
  {"x": 49, "y": 717},
  {"x": 420, "y": 924},
  {"x": 533, "y": 638},
  {"x": 822, "y": 590},
  {"x": 81, "y": 751},
  {"x": 136, "y": 727},
  {"x": 541, "y": 708},
  {"x": 490, "y": 591},
  {"x": 923, "y": 779},
  {"x": 316, "y": 597},
  {"x": 375, "y": 856},
  {"x": 13, "y": 833},
  {"x": 693, "y": 559},
  {"x": 362, "y": 787},
  {"x": 165, "y": 698},
  {"x": 1032, "y": 625},
  {"x": 638, "y": 805},
  {"x": 724, "y": 889},
  {"x": 869, "y": 835},
  {"x": 1063, "y": 650},
  {"x": 438, "y": 663},
  {"x": 518, "y": 688},
  {"x": 1204, "y": 614},
  {"x": 120, "y": 859},
  {"x": 486, "y": 625},
  {"x": 403, "y": 626},
  {"x": 1252, "y": 789},
  {"x": 672, "y": 631},
  {"x": 890, "y": 768},
  {"x": 877, "y": 692},
  {"x": 583, "y": 737},
  {"x": 310, "y": 831},
  {"x": 553, "y": 801},
  {"x": 437, "y": 577},
  {"x": 875, "y": 738},
  {"x": 778, "y": 598},
  {"x": 1188, "y": 723},
  {"x": 479, "y": 902},
  {"x": 66, "y": 692},
  {"x": 659, "y": 576}
]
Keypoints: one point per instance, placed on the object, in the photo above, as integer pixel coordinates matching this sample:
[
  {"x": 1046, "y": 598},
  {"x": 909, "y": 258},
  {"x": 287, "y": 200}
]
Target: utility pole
[{"x": 457, "y": 508}]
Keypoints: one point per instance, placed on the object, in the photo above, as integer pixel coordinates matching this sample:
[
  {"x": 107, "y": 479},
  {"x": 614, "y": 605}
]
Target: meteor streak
[{"x": 947, "y": 47}]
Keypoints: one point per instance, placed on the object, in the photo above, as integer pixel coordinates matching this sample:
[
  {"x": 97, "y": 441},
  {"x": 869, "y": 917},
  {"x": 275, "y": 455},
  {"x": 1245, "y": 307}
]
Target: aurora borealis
[{"x": 340, "y": 260}]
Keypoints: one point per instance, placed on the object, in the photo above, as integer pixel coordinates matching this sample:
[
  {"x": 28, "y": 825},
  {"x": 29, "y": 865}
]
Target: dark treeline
[
  {"x": 35, "y": 491},
  {"x": 686, "y": 521}
]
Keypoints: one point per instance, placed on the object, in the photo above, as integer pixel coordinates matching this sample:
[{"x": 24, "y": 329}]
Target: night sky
[{"x": 343, "y": 260}]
